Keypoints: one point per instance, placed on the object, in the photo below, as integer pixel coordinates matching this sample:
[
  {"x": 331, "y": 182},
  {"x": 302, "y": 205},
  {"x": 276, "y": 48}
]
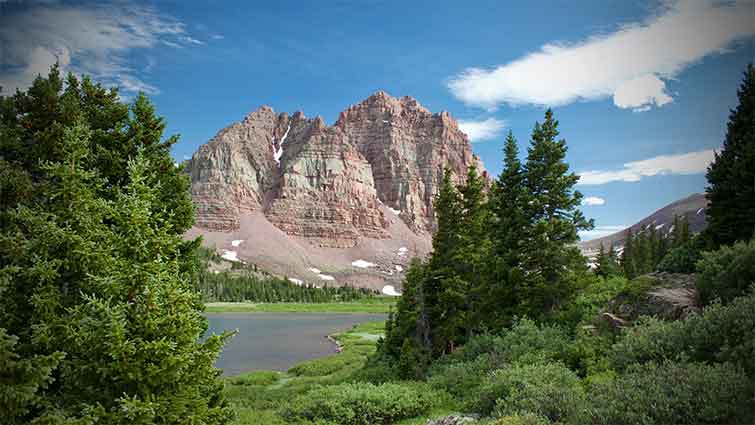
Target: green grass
[{"x": 376, "y": 305}]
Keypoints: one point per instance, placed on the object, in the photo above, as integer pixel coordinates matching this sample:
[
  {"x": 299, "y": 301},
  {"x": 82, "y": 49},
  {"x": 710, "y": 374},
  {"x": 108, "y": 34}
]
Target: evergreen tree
[
  {"x": 554, "y": 218},
  {"x": 605, "y": 262},
  {"x": 509, "y": 224},
  {"x": 676, "y": 232},
  {"x": 731, "y": 176},
  {"x": 472, "y": 257},
  {"x": 684, "y": 234},
  {"x": 96, "y": 280},
  {"x": 627, "y": 256}
]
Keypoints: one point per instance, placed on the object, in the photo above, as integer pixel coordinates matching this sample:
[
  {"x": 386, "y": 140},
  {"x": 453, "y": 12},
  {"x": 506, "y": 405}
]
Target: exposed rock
[
  {"x": 453, "y": 420},
  {"x": 408, "y": 147},
  {"x": 326, "y": 191},
  {"x": 615, "y": 322},
  {"x": 667, "y": 296},
  {"x": 233, "y": 172},
  {"x": 338, "y": 186}
]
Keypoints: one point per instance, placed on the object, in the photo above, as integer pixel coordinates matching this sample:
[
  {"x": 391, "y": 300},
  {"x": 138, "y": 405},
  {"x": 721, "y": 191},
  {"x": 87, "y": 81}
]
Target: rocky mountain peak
[
  {"x": 379, "y": 166},
  {"x": 381, "y": 105}
]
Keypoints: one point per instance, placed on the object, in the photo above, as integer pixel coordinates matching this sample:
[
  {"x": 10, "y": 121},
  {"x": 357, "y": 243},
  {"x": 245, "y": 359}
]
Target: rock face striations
[
  {"x": 327, "y": 183},
  {"x": 331, "y": 186},
  {"x": 408, "y": 147}
]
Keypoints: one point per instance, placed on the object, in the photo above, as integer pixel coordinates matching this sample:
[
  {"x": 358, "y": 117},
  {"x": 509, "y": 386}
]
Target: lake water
[{"x": 277, "y": 341}]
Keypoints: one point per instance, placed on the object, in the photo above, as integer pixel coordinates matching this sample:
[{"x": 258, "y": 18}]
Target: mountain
[
  {"x": 349, "y": 203},
  {"x": 692, "y": 207}
]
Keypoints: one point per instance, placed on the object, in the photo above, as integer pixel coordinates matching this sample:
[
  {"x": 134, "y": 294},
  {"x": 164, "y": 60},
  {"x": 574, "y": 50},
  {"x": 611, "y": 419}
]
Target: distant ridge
[{"x": 692, "y": 207}]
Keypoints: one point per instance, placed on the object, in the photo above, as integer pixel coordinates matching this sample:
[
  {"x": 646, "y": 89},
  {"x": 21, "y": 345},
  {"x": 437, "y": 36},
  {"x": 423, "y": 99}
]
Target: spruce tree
[
  {"x": 731, "y": 176},
  {"x": 444, "y": 289},
  {"x": 554, "y": 217},
  {"x": 676, "y": 232},
  {"x": 95, "y": 277},
  {"x": 509, "y": 226},
  {"x": 628, "y": 255},
  {"x": 472, "y": 257}
]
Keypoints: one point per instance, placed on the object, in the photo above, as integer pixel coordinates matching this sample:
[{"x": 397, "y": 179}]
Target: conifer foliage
[
  {"x": 731, "y": 176},
  {"x": 501, "y": 251},
  {"x": 99, "y": 322}
]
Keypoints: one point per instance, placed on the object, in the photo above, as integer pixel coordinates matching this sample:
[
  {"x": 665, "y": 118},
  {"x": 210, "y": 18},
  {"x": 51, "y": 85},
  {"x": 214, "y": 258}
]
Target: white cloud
[
  {"x": 482, "y": 130},
  {"x": 217, "y": 36},
  {"x": 191, "y": 40},
  {"x": 93, "y": 40},
  {"x": 641, "y": 92},
  {"x": 684, "y": 164},
  {"x": 593, "y": 200},
  {"x": 630, "y": 64},
  {"x": 600, "y": 231}
]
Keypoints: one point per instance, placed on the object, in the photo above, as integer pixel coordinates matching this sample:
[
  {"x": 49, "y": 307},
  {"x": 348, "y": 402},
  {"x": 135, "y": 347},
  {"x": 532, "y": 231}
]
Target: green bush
[
  {"x": 525, "y": 341},
  {"x": 461, "y": 372},
  {"x": 461, "y": 379},
  {"x": 673, "y": 394},
  {"x": 550, "y": 390},
  {"x": 638, "y": 287},
  {"x": 722, "y": 333},
  {"x": 327, "y": 365},
  {"x": 260, "y": 377},
  {"x": 522, "y": 419},
  {"x": 681, "y": 259},
  {"x": 726, "y": 273},
  {"x": 362, "y": 403},
  {"x": 590, "y": 300}
]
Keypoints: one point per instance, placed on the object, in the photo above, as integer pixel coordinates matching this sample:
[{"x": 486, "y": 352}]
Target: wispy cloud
[
  {"x": 192, "y": 40},
  {"x": 593, "y": 201},
  {"x": 685, "y": 164},
  {"x": 95, "y": 40},
  {"x": 482, "y": 130},
  {"x": 631, "y": 64},
  {"x": 600, "y": 231}
]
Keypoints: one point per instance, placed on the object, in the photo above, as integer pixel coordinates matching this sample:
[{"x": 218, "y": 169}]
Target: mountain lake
[{"x": 277, "y": 341}]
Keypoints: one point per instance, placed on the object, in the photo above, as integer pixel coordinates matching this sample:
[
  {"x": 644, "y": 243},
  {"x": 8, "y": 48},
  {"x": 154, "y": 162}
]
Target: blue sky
[{"x": 642, "y": 89}]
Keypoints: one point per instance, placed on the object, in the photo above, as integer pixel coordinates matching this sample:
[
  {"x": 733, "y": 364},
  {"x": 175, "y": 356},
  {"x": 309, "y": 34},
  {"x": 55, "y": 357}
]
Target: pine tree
[{"x": 731, "y": 176}]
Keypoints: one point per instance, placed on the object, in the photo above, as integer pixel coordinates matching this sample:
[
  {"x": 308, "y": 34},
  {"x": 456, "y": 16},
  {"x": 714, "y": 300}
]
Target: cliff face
[
  {"x": 325, "y": 182},
  {"x": 331, "y": 186},
  {"x": 408, "y": 147}
]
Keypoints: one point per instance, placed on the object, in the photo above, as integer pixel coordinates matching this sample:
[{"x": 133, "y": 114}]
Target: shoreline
[{"x": 379, "y": 307}]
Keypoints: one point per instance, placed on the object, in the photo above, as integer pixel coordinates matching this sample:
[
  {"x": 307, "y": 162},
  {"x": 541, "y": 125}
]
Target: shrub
[
  {"x": 461, "y": 379},
  {"x": 722, "y": 333},
  {"x": 362, "y": 403},
  {"x": 327, "y": 365},
  {"x": 522, "y": 419},
  {"x": 260, "y": 377},
  {"x": 673, "y": 394},
  {"x": 726, "y": 273},
  {"x": 547, "y": 389},
  {"x": 590, "y": 300},
  {"x": 681, "y": 259}
]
